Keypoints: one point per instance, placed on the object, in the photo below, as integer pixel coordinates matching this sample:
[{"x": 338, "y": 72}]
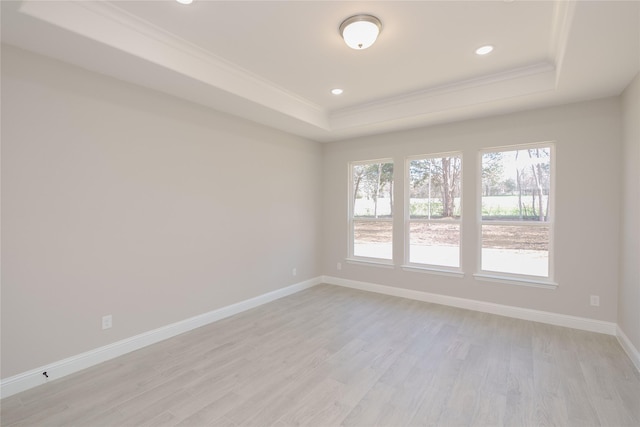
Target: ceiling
[{"x": 275, "y": 62}]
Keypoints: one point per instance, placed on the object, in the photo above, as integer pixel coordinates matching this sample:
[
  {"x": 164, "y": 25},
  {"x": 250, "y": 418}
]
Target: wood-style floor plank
[{"x": 330, "y": 356}]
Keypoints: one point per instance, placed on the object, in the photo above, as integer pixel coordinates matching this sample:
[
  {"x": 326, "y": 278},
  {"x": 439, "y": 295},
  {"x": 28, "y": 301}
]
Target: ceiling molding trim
[
  {"x": 517, "y": 82},
  {"x": 110, "y": 25},
  {"x": 564, "y": 12}
]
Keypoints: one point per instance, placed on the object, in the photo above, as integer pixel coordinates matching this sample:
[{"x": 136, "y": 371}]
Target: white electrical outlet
[
  {"x": 595, "y": 300},
  {"x": 294, "y": 271},
  {"x": 339, "y": 266},
  {"x": 107, "y": 321}
]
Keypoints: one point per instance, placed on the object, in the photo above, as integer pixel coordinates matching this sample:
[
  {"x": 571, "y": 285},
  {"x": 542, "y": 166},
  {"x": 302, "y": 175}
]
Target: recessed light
[
  {"x": 484, "y": 50},
  {"x": 185, "y": 1},
  {"x": 337, "y": 91}
]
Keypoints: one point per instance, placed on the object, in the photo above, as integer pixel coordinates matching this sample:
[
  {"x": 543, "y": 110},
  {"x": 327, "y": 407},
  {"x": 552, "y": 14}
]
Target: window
[
  {"x": 433, "y": 211},
  {"x": 517, "y": 211},
  {"x": 371, "y": 208}
]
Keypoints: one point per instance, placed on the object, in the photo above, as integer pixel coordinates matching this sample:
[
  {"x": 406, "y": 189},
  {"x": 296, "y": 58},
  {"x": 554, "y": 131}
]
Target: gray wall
[
  {"x": 588, "y": 179},
  {"x": 119, "y": 200},
  {"x": 629, "y": 297}
]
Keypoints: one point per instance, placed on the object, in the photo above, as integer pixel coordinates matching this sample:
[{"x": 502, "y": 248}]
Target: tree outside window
[
  {"x": 516, "y": 210},
  {"x": 434, "y": 207},
  {"x": 371, "y": 219}
]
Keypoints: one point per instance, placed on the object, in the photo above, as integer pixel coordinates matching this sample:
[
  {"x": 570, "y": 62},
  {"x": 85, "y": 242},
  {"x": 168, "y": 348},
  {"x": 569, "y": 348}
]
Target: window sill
[
  {"x": 511, "y": 280},
  {"x": 432, "y": 270},
  {"x": 371, "y": 263}
]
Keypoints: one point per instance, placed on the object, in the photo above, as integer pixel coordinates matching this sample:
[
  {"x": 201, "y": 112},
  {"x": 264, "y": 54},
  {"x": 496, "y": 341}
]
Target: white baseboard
[
  {"x": 485, "y": 307},
  {"x": 61, "y": 368},
  {"x": 629, "y": 348},
  {"x": 55, "y": 370}
]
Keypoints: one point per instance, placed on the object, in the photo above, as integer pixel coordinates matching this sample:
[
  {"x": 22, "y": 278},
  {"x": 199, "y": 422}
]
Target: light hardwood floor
[{"x": 331, "y": 356}]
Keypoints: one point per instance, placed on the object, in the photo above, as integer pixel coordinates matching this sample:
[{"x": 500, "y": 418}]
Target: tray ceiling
[{"x": 276, "y": 62}]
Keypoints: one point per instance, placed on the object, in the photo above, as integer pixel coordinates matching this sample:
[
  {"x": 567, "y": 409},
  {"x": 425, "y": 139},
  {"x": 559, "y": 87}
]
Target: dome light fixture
[{"x": 360, "y": 31}]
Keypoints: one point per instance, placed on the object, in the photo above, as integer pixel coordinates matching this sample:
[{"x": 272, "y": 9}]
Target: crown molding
[
  {"x": 560, "y": 29},
  {"x": 184, "y": 69},
  {"x": 538, "y": 77},
  {"x": 108, "y": 24},
  {"x": 508, "y": 84}
]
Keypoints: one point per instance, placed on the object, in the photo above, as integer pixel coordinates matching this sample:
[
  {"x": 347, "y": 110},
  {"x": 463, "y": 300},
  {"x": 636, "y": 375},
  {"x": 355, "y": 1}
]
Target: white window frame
[
  {"x": 421, "y": 267},
  {"x": 513, "y": 278},
  {"x": 351, "y": 257}
]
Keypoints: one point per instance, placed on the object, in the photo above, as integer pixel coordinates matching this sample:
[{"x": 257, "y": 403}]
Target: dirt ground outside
[{"x": 439, "y": 234}]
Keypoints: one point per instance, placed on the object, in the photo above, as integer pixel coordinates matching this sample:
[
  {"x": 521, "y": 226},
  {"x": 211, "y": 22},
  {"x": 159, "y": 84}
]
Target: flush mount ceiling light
[
  {"x": 185, "y": 1},
  {"x": 337, "y": 91},
  {"x": 360, "y": 31}
]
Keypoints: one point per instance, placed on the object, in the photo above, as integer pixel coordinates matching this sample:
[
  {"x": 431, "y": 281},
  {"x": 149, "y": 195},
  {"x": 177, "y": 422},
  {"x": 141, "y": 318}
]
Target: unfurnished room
[{"x": 320, "y": 213}]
